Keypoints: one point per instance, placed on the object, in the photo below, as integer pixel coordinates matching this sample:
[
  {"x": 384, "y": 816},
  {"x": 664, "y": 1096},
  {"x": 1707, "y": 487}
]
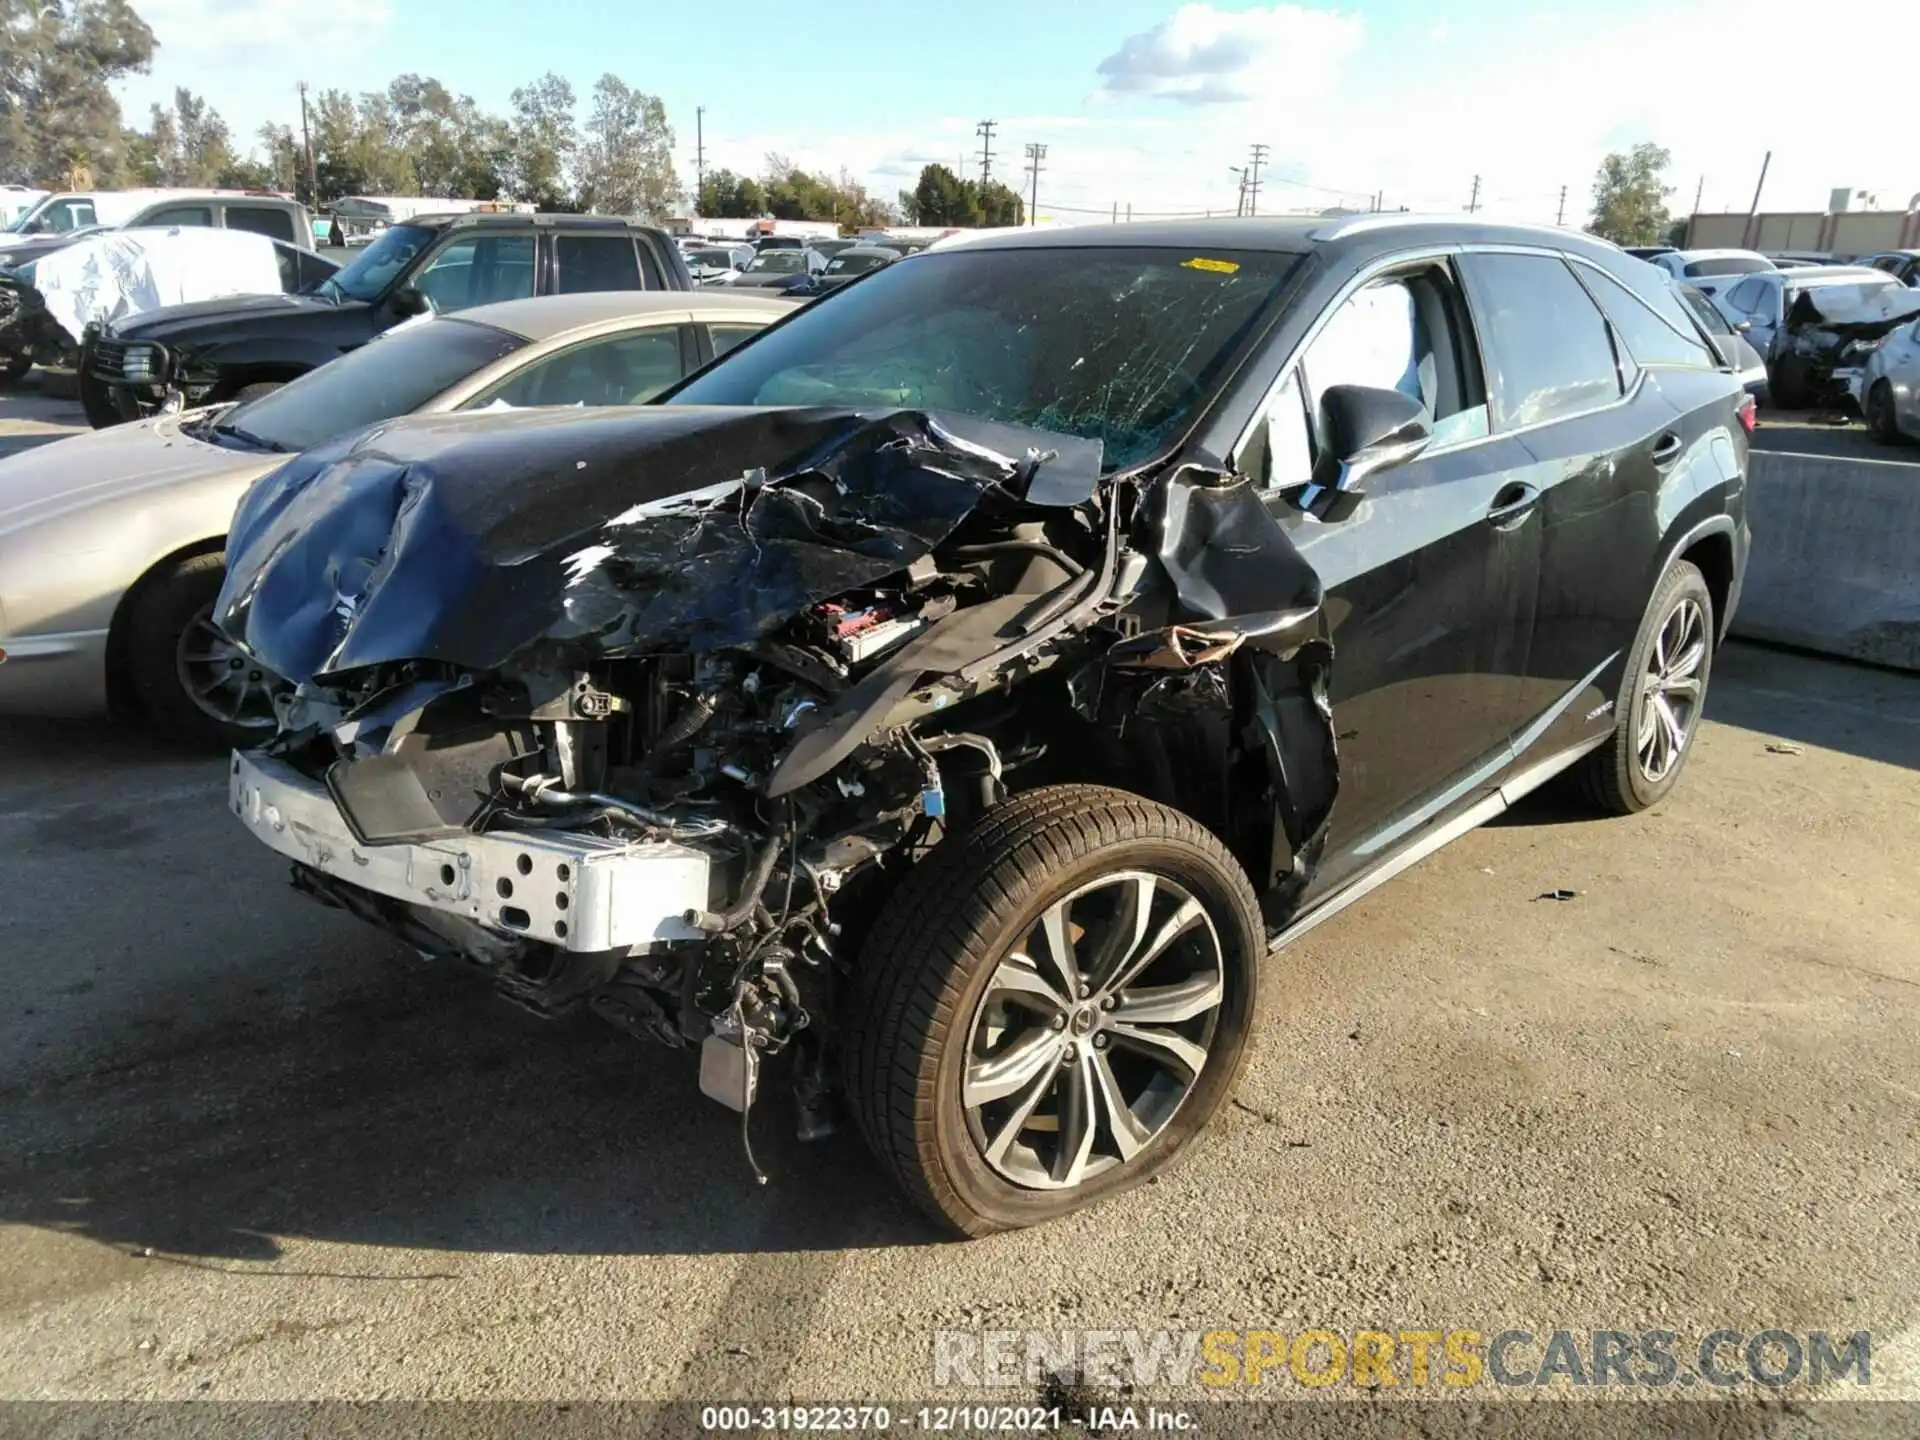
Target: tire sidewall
[
  {"x": 1001, "y": 1203},
  {"x": 1684, "y": 581},
  {"x": 164, "y": 609}
]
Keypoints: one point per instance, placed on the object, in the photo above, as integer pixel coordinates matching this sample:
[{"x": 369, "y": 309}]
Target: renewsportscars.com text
[{"x": 1406, "y": 1358}]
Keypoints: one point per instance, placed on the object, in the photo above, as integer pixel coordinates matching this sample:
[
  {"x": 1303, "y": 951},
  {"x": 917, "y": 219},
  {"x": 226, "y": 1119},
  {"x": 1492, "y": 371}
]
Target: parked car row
[
  {"x": 1817, "y": 325},
  {"x": 943, "y": 697}
]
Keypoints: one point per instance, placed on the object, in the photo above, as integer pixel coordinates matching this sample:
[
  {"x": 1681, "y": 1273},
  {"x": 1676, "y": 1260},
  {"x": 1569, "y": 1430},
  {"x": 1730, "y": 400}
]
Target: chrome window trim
[{"x": 1399, "y": 260}]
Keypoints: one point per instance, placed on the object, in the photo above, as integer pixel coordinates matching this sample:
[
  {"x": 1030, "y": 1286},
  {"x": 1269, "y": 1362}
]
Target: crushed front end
[{"x": 639, "y": 712}]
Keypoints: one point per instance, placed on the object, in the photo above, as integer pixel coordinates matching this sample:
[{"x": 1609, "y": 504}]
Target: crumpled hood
[
  {"x": 1848, "y": 312},
  {"x": 467, "y": 539}
]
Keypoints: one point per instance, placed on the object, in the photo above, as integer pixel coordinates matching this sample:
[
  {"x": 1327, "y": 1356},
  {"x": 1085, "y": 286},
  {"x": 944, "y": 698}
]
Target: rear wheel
[
  {"x": 1051, "y": 1006},
  {"x": 1660, "y": 701},
  {"x": 194, "y": 685}
]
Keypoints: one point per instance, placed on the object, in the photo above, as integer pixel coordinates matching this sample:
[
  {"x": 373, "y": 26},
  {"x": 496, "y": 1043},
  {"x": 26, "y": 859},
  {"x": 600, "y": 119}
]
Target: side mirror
[
  {"x": 1743, "y": 327},
  {"x": 409, "y": 300},
  {"x": 1366, "y": 430}
]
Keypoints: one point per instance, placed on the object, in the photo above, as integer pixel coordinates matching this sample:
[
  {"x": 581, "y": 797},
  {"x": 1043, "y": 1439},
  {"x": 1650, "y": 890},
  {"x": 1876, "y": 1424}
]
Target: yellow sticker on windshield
[{"x": 1217, "y": 267}]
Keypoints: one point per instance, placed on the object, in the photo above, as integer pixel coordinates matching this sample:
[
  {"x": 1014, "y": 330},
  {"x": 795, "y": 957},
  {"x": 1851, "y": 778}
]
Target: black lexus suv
[
  {"x": 948, "y": 698},
  {"x": 220, "y": 350}
]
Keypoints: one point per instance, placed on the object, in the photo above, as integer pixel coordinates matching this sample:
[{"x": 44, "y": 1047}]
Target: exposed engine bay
[{"x": 747, "y": 665}]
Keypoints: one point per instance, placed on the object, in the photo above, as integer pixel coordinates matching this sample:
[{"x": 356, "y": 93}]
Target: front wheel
[
  {"x": 193, "y": 684},
  {"x": 1051, "y": 1006},
  {"x": 1662, "y": 696},
  {"x": 14, "y": 368}
]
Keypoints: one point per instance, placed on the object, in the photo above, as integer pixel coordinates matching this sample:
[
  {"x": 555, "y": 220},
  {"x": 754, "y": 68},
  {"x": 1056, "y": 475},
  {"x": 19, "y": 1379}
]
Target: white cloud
[
  {"x": 245, "y": 56},
  {"x": 1201, "y": 55}
]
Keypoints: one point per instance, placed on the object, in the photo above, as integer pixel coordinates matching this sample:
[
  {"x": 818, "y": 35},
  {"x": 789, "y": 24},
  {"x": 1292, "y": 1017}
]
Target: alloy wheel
[
  {"x": 1671, "y": 691},
  {"x": 221, "y": 679},
  {"x": 1092, "y": 1031}
]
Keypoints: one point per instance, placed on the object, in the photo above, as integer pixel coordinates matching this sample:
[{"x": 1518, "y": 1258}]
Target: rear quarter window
[{"x": 1652, "y": 337}]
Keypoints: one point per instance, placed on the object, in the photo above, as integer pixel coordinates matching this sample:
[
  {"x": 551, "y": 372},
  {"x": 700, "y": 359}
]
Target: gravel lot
[{"x": 250, "y": 1149}]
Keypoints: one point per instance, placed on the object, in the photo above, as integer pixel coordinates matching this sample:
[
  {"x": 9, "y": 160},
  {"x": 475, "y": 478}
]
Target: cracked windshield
[{"x": 1117, "y": 345}]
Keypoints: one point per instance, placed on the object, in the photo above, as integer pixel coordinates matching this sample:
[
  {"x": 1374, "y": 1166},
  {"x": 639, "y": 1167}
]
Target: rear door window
[
  {"x": 261, "y": 220},
  {"x": 180, "y": 215},
  {"x": 1548, "y": 353},
  {"x": 596, "y": 262}
]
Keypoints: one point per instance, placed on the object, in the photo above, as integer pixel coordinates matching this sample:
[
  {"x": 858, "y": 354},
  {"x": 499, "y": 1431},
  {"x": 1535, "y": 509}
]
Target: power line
[
  {"x": 1035, "y": 154},
  {"x": 985, "y": 131}
]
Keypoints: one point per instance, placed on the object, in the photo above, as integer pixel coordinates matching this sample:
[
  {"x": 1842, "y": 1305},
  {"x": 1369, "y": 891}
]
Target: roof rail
[{"x": 1363, "y": 224}]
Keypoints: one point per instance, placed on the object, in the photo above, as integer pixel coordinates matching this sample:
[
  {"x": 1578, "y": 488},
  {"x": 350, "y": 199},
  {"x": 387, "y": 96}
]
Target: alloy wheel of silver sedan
[
  {"x": 1670, "y": 690},
  {"x": 1093, "y": 1030},
  {"x": 221, "y": 680}
]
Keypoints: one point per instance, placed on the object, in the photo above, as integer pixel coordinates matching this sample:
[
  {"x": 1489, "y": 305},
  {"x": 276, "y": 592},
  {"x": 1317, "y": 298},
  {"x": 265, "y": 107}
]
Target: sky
[{"x": 1140, "y": 103}]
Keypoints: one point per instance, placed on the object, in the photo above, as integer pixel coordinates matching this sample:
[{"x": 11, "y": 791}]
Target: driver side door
[{"x": 1429, "y": 587}]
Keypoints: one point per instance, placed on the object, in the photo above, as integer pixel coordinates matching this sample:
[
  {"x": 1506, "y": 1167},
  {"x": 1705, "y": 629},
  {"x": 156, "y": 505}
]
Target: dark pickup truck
[{"x": 203, "y": 354}]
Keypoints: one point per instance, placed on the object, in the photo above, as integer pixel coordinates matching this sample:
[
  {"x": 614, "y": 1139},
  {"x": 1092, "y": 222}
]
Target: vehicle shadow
[
  {"x": 420, "y": 1113},
  {"x": 1806, "y": 699}
]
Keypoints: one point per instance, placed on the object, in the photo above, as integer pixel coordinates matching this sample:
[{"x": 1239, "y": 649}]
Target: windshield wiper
[{"x": 247, "y": 437}]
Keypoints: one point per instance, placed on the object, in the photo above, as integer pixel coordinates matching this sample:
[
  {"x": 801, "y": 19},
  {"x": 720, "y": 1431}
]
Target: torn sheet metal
[
  {"x": 1245, "y": 645},
  {"x": 1854, "y": 312},
  {"x": 467, "y": 539},
  {"x": 116, "y": 273}
]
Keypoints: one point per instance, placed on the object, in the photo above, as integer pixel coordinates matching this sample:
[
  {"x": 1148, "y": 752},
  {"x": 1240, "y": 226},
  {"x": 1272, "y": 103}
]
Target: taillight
[{"x": 1748, "y": 413}]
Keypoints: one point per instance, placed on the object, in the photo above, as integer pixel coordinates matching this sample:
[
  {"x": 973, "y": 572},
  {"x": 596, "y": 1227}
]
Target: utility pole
[
  {"x": 306, "y": 140},
  {"x": 1115, "y": 218},
  {"x": 1698, "y": 191},
  {"x": 1035, "y": 154},
  {"x": 985, "y": 131},
  {"x": 1561, "y": 217},
  {"x": 699, "y": 155},
  {"x": 1747, "y": 235},
  {"x": 1253, "y": 179},
  {"x": 1240, "y": 173},
  {"x": 1473, "y": 202}
]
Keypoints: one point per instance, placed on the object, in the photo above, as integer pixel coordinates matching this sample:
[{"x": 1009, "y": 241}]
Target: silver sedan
[
  {"x": 112, "y": 544},
  {"x": 1888, "y": 386}
]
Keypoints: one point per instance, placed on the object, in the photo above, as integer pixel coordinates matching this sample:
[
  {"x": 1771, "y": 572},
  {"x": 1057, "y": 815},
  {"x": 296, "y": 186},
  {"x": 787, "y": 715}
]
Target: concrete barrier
[{"x": 1836, "y": 557}]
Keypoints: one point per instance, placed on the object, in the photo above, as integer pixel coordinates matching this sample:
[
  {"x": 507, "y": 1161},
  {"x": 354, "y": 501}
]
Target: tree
[
  {"x": 727, "y": 196},
  {"x": 453, "y": 147},
  {"x": 997, "y": 205},
  {"x": 187, "y": 145},
  {"x": 626, "y": 153},
  {"x": 940, "y": 198},
  {"x": 544, "y": 142},
  {"x": 1630, "y": 196},
  {"x": 57, "y": 111},
  {"x": 353, "y": 147}
]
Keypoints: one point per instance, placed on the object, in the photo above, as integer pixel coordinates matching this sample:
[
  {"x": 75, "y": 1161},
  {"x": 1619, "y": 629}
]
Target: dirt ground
[{"x": 251, "y": 1149}]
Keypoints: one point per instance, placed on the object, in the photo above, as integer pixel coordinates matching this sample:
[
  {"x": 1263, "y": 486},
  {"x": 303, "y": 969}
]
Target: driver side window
[{"x": 1407, "y": 332}]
